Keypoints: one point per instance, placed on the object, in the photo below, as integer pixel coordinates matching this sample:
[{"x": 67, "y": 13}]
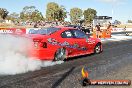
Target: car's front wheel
[
  {"x": 97, "y": 49},
  {"x": 60, "y": 54}
]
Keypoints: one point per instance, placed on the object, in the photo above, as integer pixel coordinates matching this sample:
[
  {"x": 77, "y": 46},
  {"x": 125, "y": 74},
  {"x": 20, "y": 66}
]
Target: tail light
[
  {"x": 44, "y": 45},
  {"x": 36, "y": 44},
  {"x": 40, "y": 44}
]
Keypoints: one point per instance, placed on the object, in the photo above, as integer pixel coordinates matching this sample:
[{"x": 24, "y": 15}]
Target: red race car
[{"x": 59, "y": 43}]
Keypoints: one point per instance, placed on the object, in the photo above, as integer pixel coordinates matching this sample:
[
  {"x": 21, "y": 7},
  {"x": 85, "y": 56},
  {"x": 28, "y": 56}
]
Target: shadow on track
[
  {"x": 78, "y": 57},
  {"x": 58, "y": 82}
]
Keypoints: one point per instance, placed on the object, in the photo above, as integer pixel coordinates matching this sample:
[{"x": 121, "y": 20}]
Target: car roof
[
  {"x": 73, "y": 26},
  {"x": 65, "y": 28}
]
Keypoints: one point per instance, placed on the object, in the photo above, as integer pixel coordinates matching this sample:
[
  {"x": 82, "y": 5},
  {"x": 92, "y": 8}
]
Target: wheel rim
[
  {"x": 97, "y": 49},
  {"x": 60, "y": 54}
]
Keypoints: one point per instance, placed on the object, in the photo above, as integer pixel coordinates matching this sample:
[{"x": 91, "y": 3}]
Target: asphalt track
[{"x": 114, "y": 62}]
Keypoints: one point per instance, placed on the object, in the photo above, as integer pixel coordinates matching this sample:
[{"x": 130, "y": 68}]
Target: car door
[
  {"x": 82, "y": 40},
  {"x": 69, "y": 42}
]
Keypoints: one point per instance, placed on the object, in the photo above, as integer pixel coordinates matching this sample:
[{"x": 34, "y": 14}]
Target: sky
[{"x": 118, "y": 9}]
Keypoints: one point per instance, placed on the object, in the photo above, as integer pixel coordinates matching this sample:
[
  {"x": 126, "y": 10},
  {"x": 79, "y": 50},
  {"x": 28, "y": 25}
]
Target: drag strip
[{"x": 116, "y": 55}]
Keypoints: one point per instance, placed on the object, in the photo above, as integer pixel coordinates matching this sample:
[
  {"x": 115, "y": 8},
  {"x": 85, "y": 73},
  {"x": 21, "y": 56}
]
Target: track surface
[{"x": 114, "y": 63}]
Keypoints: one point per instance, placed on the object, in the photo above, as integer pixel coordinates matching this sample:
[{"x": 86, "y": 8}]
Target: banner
[
  {"x": 12, "y": 31},
  {"x": 118, "y": 29},
  {"x": 30, "y": 30}
]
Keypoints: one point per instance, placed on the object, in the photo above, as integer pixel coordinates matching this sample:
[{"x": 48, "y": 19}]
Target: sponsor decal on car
[{"x": 66, "y": 44}]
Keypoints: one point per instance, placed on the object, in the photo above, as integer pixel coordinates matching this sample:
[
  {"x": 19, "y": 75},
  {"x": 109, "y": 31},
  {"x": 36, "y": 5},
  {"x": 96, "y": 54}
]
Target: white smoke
[{"x": 14, "y": 56}]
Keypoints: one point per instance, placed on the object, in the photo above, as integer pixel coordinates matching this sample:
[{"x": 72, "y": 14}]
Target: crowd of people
[
  {"x": 99, "y": 30},
  {"x": 40, "y": 24}
]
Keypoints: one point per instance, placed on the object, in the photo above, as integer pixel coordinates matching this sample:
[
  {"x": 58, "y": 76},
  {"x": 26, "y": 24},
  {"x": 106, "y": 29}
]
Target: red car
[{"x": 59, "y": 43}]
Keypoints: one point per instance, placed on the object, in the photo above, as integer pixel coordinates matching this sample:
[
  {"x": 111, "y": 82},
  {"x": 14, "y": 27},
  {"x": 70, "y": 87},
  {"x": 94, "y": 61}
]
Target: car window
[
  {"x": 79, "y": 33},
  {"x": 44, "y": 31},
  {"x": 67, "y": 34}
]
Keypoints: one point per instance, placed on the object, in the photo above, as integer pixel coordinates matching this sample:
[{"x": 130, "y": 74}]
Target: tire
[
  {"x": 127, "y": 34},
  {"x": 97, "y": 49},
  {"x": 60, "y": 54}
]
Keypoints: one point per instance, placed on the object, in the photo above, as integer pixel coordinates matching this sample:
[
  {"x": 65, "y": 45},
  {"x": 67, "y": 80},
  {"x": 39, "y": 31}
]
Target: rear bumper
[{"x": 42, "y": 54}]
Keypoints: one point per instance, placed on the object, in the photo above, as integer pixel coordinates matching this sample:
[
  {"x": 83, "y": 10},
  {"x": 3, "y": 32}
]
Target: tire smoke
[{"x": 14, "y": 56}]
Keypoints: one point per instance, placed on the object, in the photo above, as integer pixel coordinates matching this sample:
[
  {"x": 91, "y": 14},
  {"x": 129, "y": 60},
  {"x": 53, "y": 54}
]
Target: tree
[
  {"x": 117, "y": 22},
  {"x": 3, "y": 13},
  {"x": 75, "y": 14},
  {"x": 55, "y": 12},
  {"x": 89, "y": 15},
  {"x": 13, "y": 17},
  {"x": 31, "y": 13},
  {"x": 129, "y": 21},
  {"x": 37, "y": 16},
  {"x": 52, "y": 11},
  {"x": 62, "y": 13}
]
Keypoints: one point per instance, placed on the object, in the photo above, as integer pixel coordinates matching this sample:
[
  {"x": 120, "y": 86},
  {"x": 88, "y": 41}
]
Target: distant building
[{"x": 102, "y": 20}]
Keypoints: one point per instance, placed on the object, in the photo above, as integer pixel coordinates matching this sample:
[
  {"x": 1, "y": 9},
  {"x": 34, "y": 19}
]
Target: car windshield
[
  {"x": 44, "y": 31},
  {"x": 74, "y": 26}
]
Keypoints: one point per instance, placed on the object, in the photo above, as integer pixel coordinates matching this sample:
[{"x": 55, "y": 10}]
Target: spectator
[
  {"x": 35, "y": 25},
  {"x": 98, "y": 30},
  {"x": 109, "y": 26}
]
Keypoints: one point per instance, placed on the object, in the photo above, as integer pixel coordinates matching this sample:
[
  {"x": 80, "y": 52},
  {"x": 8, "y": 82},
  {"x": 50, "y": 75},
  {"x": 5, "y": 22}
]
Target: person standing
[{"x": 98, "y": 30}]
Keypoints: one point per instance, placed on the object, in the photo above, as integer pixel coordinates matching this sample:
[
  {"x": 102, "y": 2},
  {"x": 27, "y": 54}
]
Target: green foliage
[
  {"x": 3, "y": 13},
  {"x": 75, "y": 14},
  {"x": 55, "y": 12},
  {"x": 117, "y": 22},
  {"x": 129, "y": 21},
  {"x": 62, "y": 13},
  {"x": 31, "y": 13},
  {"x": 37, "y": 16},
  {"x": 13, "y": 17},
  {"x": 51, "y": 12},
  {"x": 89, "y": 15}
]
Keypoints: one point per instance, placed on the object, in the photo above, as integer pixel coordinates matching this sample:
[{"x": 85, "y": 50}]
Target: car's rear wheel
[
  {"x": 97, "y": 49},
  {"x": 127, "y": 34},
  {"x": 60, "y": 54}
]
